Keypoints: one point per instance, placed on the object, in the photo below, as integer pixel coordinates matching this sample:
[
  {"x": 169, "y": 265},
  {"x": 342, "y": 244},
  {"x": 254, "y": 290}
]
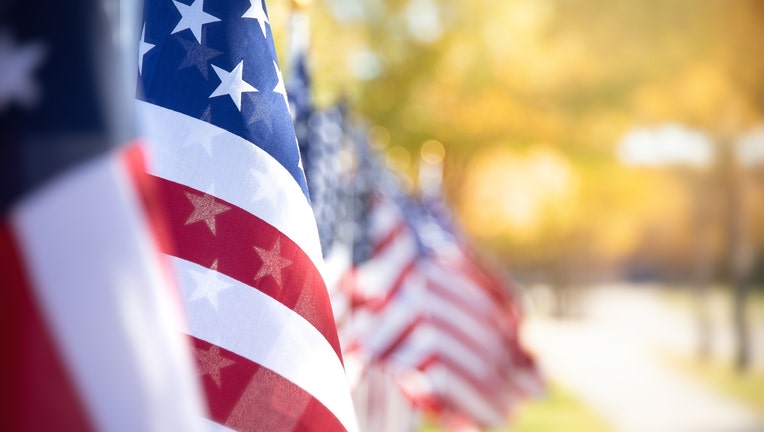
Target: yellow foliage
[{"x": 509, "y": 193}]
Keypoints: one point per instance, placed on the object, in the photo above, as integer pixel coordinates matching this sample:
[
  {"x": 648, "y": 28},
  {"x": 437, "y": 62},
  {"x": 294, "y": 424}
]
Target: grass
[
  {"x": 558, "y": 411},
  {"x": 718, "y": 371},
  {"x": 745, "y": 387}
]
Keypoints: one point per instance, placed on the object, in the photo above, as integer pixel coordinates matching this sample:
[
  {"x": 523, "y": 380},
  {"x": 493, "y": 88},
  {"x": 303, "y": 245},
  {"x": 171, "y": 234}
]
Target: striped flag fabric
[
  {"x": 91, "y": 323},
  {"x": 446, "y": 241},
  {"x": 421, "y": 307},
  {"x": 245, "y": 247}
]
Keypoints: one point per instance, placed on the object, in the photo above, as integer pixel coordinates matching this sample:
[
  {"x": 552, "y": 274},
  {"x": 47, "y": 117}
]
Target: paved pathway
[{"x": 613, "y": 358}]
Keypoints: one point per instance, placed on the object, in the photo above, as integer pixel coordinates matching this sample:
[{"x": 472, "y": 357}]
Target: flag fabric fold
[{"x": 245, "y": 246}]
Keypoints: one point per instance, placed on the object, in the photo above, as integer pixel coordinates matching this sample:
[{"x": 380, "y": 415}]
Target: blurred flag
[
  {"x": 379, "y": 402},
  {"x": 487, "y": 295},
  {"x": 422, "y": 307},
  {"x": 327, "y": 163},
  {"x": 246, "y": 249},
  {"x": 445, "y": 239},
  {"x": 91, "y": 330},
  {"x": 319, "y": 134}
]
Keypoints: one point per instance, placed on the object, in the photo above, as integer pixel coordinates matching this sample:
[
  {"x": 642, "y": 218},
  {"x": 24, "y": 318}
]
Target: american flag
[
  {"x": 91, "y": 327},
  {"x": 319, "y": 133},
  {"x": 424, "y": 308},
  {"x": 246, "y": 249}
]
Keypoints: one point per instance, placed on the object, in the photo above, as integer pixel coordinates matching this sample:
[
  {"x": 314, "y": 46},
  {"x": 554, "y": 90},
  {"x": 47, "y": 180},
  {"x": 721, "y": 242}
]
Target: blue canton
[{"x": 184, "y": 66}]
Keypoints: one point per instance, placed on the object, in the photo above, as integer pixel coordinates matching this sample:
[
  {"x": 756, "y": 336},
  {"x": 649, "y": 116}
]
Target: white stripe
[
  {"x": 255, "y": 326},
  {"x": 179, "y": 147},
  {"x": 98, "y": 281}
]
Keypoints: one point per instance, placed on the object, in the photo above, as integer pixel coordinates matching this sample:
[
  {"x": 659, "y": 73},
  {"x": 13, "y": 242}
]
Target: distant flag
[
  {"x": 478, "y": 290},
  {"x": 445, "y": 238},
  {"x": 333, "y": 183},
  {"x": 421, "y": 307},
  {"x": 246, "y": 249},
  {"x": 320, "y": 135},
  {"x": 329, "y": 181},
  {"x": 91, "y": 327},
  {"x": 327, "y": 163}
]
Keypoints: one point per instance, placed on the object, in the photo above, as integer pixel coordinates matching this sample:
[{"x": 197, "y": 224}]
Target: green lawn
[
  {"x": 746, "y": 387},
  {"x": 718, "y": 372},
  {"x": 558, "y": 411}
]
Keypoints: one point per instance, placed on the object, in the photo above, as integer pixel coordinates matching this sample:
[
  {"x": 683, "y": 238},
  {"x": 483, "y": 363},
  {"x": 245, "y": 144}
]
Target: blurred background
[{"x": 610, "y": 156}]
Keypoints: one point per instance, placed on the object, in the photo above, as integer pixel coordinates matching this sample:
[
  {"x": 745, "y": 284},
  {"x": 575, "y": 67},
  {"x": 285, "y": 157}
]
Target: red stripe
[
  {"x": 37, "y": 393},
  {"x": 245, "y": 396},
  {"x": 233, "y": 245}
]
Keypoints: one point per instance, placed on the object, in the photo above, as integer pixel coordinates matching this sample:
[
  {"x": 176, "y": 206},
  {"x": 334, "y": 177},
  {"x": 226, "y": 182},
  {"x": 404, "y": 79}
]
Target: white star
[
  {"x": 232, "y": 84},
  {"x": 273, "y": 262},
  {"x": 143, "y": 48},
  {"x": 208, "y": 285},
  {"x": 205, "y": 209},
  {"x": 280, "y": 88},
  {"x": 193, "y": 18},
  {"x": 17, "y": 67},
  {"x": 257, "y": 12}
]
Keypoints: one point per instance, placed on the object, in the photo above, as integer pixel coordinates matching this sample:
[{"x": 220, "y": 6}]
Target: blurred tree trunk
[
  {"x": 702, "y": 267},
  {"x": 738, "y": 256}
]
